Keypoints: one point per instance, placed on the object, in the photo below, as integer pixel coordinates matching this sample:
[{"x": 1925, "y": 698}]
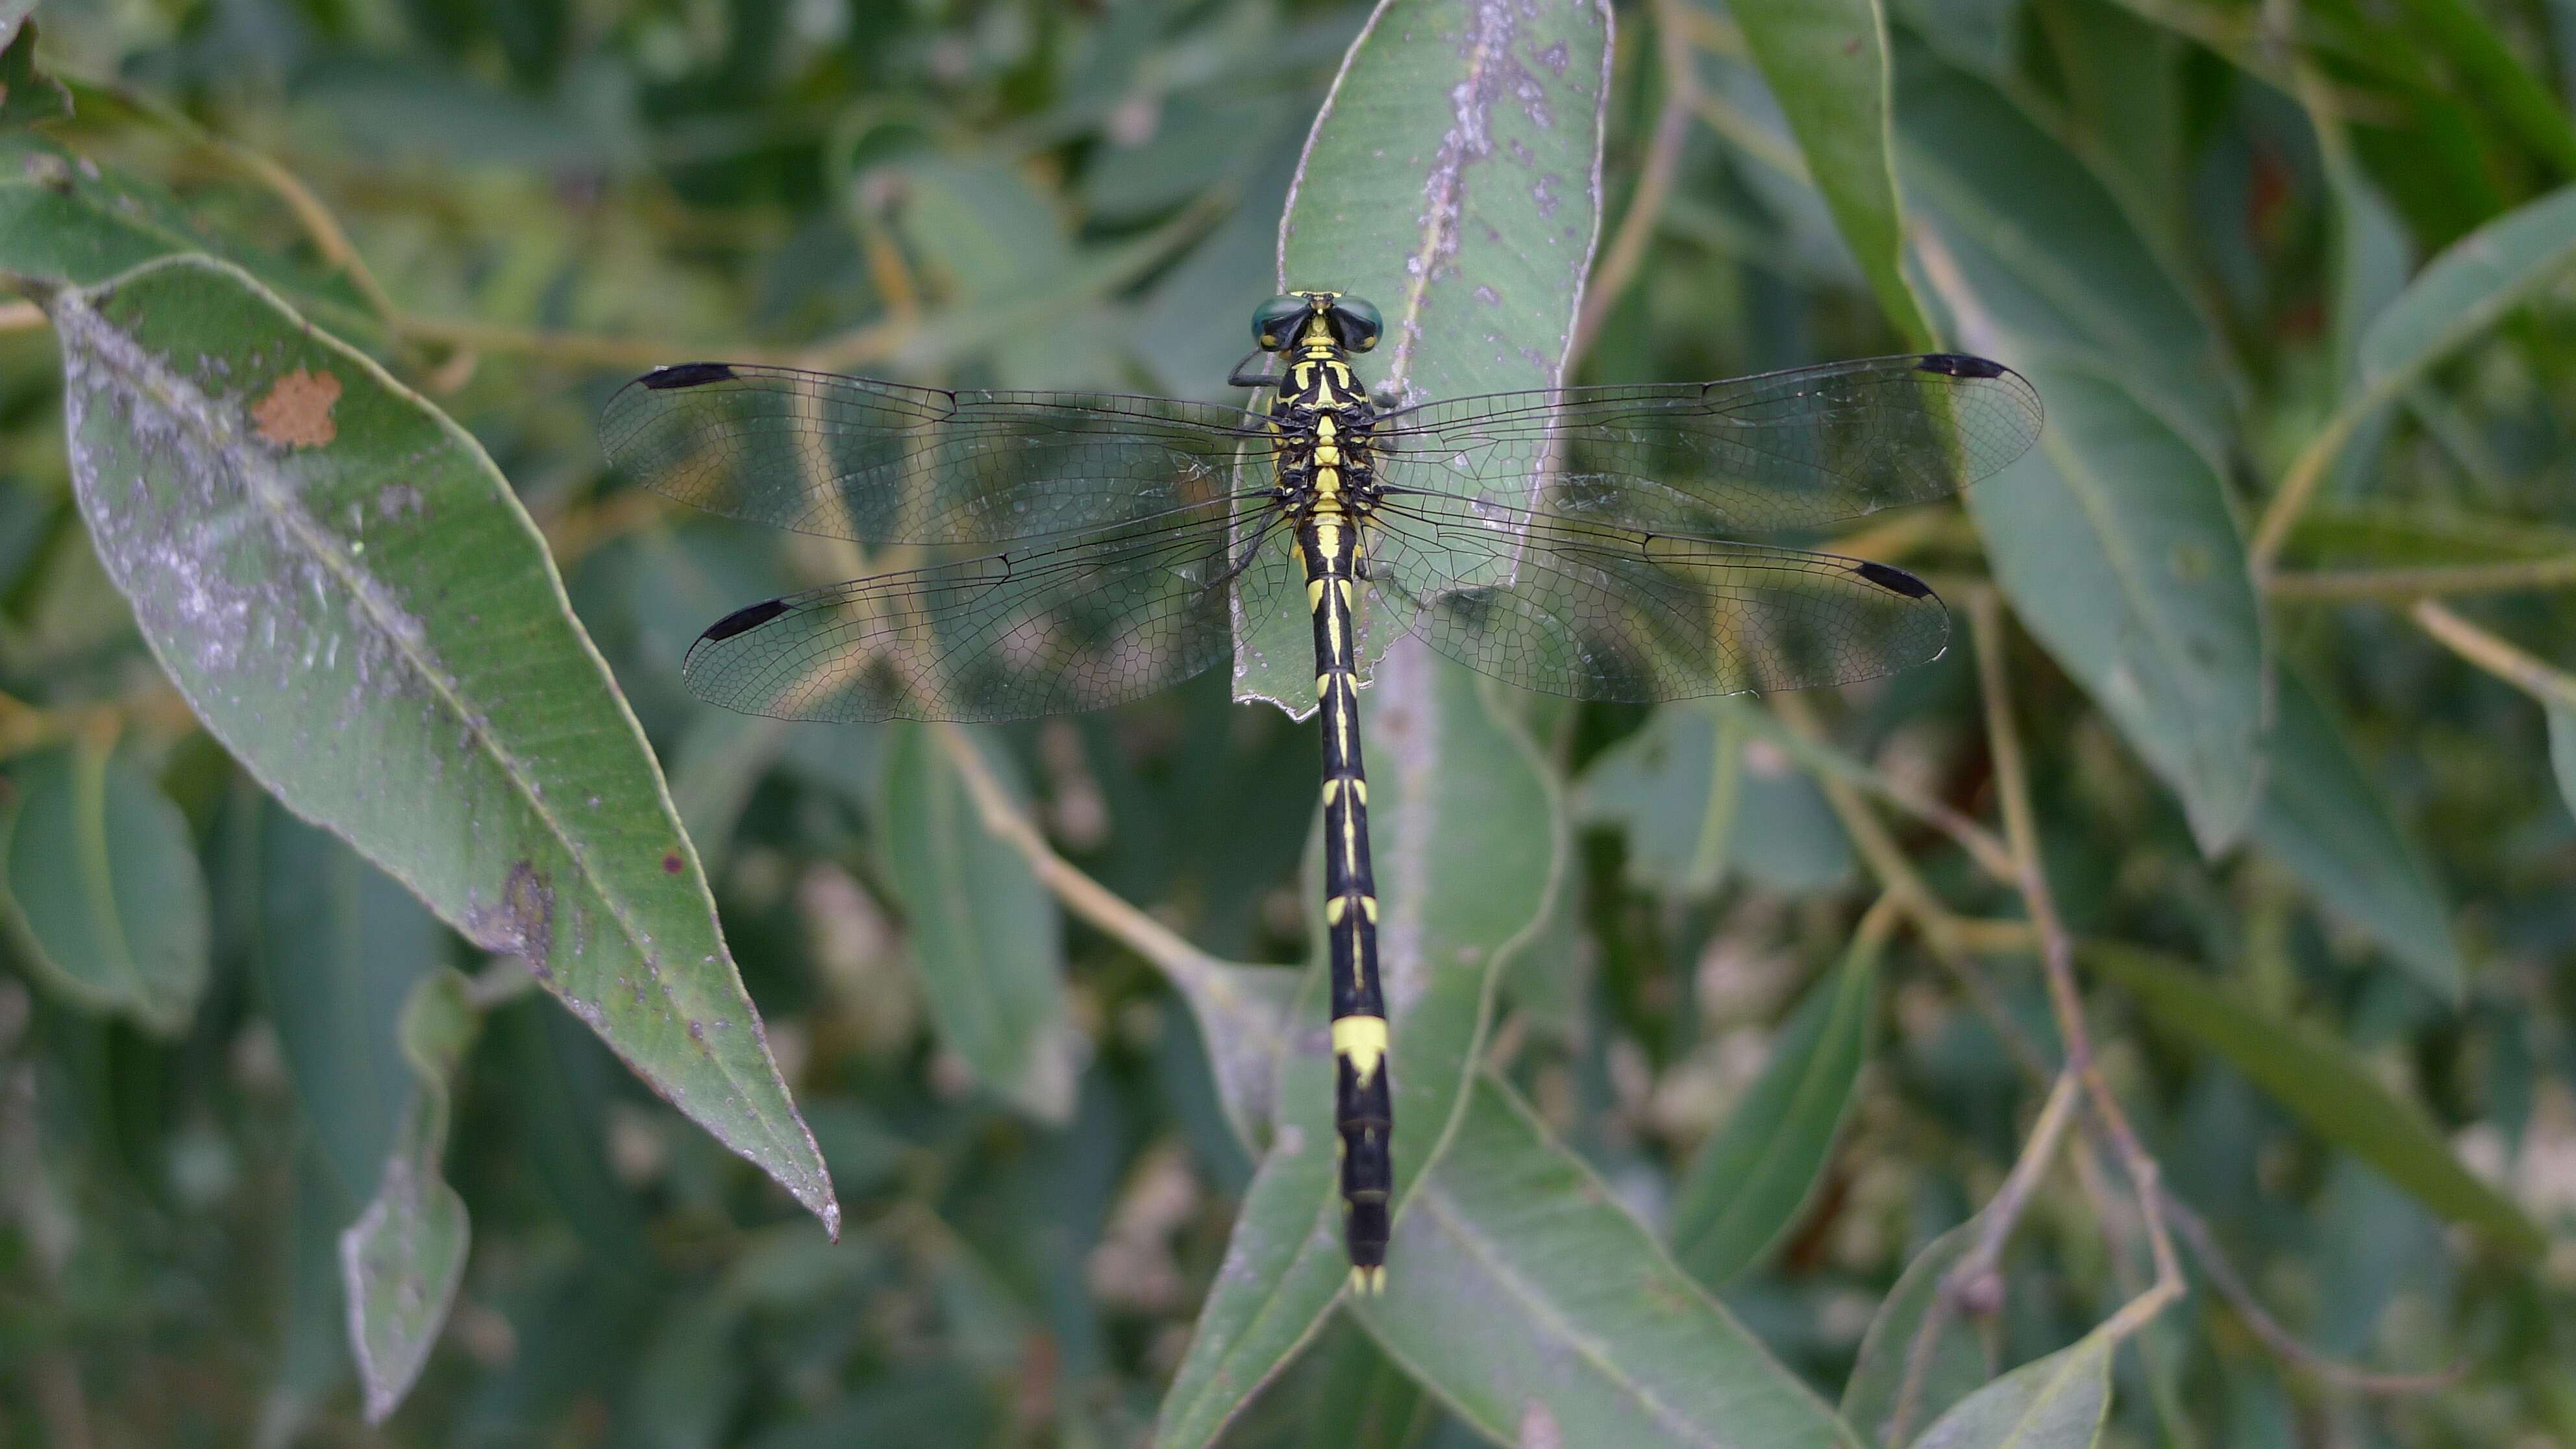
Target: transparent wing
[
  {"x": 1095, "y": 620},
  {"x": 881, "y": 462},
  {"x": 1784, "y": 450},
  {"x": 1598, "y": 610}
]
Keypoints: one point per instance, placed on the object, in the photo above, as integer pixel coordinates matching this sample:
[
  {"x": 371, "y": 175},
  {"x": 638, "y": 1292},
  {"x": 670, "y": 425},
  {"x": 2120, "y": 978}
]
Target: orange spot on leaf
[{"x": 297, "y": 411}]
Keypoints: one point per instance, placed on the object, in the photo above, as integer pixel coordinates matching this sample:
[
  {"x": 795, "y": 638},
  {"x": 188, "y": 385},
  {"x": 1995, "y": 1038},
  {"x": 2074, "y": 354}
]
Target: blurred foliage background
[{"x": 2334, "y": 995}]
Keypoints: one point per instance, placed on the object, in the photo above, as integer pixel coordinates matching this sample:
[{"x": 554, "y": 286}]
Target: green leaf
[
  {"x": 2324, "y": 819},
  {"x": 1243, "y": 1014},
  {"x": 104, "y": 891},
  {"x": 1469, "y": 844},
  {"x": 720, "y": 760},
  {"x": 1827, "y": 62},
  {"x": 28, "y": 96},
  {"x": 65, "y": 220},
  {"x": 401, "y": 1260},
  {"x": 1753, "y": 1177},
  {"x": 340, "y": 946},
  {"x": 2562, "y": 751},
  {"x": 1453, "y": 178},
  {"x": 1957, "y": 1367},
  {"x": 2465, "y": 290},
  {"x": 2057, "y": 1402},
  {"x": 2113, "y": 537},
  {"x": 1542, "y": 1313},
  {"x": 986, "y": 938},
  {"x": 2115, "y": 542},
  {"x": 314, "y": 1357},
  {"x": 352, "y": 599},
  {"x": 1701, "y": 791},
  {"x": 2324, "y": 1086},
  {"x": 2481, "y": 64},
  {"x": 2012, "y": 231}
]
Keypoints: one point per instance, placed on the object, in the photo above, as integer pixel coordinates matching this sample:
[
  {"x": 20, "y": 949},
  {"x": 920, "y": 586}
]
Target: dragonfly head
[{"x": 1293, "y": 318}]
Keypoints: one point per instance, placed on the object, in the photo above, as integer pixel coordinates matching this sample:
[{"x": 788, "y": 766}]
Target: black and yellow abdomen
[{"x": 1323, "y": 469}]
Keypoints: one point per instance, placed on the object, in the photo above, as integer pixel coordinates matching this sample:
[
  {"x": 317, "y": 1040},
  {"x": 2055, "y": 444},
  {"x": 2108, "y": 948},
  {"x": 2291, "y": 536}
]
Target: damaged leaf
[{"x": 354, "y": 602}]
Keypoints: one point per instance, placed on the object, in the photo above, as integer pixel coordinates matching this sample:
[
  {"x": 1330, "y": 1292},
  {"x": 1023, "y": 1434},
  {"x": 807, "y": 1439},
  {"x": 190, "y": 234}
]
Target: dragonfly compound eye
[
  {"x": 1275, "y": 323},
  {"x": 1355, "y": 324}
]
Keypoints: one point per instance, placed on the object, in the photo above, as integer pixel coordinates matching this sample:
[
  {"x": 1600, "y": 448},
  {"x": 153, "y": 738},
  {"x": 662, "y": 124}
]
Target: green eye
[
  {"x": 1274, "y": 323},
  {"x": 1355, "y": 324}
]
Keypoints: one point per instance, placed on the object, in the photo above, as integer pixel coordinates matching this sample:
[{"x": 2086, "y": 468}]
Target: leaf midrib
[{"x": 263, "y": 486}]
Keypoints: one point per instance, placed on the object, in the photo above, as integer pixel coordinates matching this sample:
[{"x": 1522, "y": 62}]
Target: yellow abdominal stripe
[
  {"x": 1368, "y": 1282},
  {"x": 1361, "y": 1041}
]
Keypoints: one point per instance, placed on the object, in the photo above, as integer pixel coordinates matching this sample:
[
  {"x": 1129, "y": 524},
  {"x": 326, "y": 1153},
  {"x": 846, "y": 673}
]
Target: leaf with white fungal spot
[
  {"x": 352, "y": 599},
  {"x": 1453, "y": 178}
]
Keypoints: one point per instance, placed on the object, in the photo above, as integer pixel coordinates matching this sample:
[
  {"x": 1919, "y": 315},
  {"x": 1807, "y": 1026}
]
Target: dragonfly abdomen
[{"x": 1363, "y": 1111}]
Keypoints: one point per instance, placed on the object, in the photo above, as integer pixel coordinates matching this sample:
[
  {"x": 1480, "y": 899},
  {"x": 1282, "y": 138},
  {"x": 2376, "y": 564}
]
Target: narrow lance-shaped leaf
[
  {"x": 68, "y": 220},
  {"x": 354, "y": 602},
  {"x": 1453, "y": 178},
  {"x": 401, "y": 1260},
  {"x": 1749, "y": 1181},
  {"x": 2464, "y": 291},
  {"x": 27, "y": 95},
  {"x": 1954, "y": 1368},
  {"x": 2114, "y": 537},
  {"x": 2562, "y": 751},
  {"x": 104, "y": 891},
  {"x": 1542, "y": 1313},
  {"x": 2321, "y": 1084},
  {"x": 985, "y": 935},
  {"x": 1469, "y": 850},
  {"x": 2323, "y": 817},
  {"x": 340, "y": 946},
  {"x": 1827, "y": 61},
  {"x": 2057, "y": 1402}
]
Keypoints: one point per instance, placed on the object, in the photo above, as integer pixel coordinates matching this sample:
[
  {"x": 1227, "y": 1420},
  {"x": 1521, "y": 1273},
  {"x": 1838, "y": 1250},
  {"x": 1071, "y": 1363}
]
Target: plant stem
[
  {"x": 2057, "y": 959},
  {"x": 2407, "y": 585},
  {"x": 2553, "y": 687}
]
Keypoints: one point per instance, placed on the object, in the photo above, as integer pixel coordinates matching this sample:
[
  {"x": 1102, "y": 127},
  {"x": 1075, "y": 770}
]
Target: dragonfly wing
[
  {"x": 1572, "y": 606},
  {"x": 882, "y": 462},
  {"x": 1785, "y": 450},
  {"x": 1071, "y": 625}
]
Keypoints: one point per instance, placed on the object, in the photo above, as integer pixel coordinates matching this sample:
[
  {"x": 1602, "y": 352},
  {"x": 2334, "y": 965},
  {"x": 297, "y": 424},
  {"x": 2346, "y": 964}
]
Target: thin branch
[
  {"x": 2057, "y": 959},
  {"x": 2299, "y": 484},
  {"x": 1948, "y": 937},
  {"x": 1160, "y": 945},
  {"x": 1654, "y": 181},
  {"x": 2553, "y": 687},
  {"x": 2408, "y": 585},
  {"x": 21, "y": 317},
  {"x": 2231, "y": 1286},
  {"x": 1971, "y": 1284}
]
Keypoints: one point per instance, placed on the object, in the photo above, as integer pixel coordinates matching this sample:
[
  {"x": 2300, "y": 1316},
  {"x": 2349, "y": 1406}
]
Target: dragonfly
[{"x": 1073, "y": 550}]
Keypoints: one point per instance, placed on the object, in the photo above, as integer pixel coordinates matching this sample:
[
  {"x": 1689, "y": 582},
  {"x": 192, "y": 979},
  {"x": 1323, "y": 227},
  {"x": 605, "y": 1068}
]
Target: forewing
[
  {"x": 1078, "y": 624},
  {"x": 882, "y": 462},
  {"x": 1573, "y": 606},
  {"x": 1785, "y": 450}
]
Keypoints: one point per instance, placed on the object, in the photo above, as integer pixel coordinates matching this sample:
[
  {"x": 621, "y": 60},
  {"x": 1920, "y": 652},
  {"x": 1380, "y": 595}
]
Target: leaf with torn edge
[
  {"x": 401, "y": 1260},
  {"x": 352, "y": 599}
]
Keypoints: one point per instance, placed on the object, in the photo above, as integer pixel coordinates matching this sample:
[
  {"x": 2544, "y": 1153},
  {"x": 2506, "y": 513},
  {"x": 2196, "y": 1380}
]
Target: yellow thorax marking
[{"x": 1361, "y": 1041}]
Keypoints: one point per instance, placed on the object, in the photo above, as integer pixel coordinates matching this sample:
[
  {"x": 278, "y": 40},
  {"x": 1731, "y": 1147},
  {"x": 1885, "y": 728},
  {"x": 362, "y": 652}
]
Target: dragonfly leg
[{"x": 1254, "y": 370}]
